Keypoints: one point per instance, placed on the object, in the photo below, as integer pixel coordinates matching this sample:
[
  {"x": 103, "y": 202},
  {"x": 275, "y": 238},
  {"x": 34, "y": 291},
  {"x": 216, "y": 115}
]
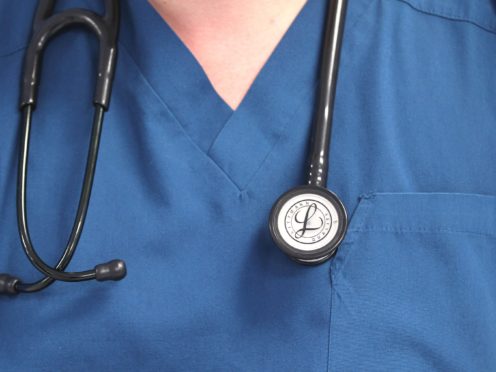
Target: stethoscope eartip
[
  {"x": 8, "y": 284},
  {"x": 113, "y": 270}
]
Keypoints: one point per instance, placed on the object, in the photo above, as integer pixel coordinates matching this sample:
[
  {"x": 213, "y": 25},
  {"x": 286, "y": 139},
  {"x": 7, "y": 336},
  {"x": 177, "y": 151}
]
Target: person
[{"x": 209, "y": 122}]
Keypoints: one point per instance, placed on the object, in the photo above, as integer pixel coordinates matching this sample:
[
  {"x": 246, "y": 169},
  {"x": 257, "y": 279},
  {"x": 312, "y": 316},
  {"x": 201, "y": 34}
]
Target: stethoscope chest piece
[{"x": 308, "y": 223}]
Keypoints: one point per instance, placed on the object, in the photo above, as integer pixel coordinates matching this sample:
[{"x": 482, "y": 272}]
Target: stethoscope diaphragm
[{"x": 308, "y": 223}]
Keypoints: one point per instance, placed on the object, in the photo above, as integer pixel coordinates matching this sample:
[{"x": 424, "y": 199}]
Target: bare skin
[{"x": 231, "y": 39}]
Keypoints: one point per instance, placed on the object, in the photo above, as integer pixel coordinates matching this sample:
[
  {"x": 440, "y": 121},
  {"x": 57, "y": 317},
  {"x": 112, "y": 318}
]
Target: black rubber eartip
[
  {"x": 113, "y": 270},
  {"x": 8, "y": 284}
]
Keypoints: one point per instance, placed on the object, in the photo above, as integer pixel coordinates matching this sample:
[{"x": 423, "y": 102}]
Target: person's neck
[{"x": 231, "y": 39}]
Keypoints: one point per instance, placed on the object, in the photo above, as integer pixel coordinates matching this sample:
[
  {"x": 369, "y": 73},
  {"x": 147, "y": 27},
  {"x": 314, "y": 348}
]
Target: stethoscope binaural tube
[
  {"x": 45, "y": 26},
  {"x": 309, "y": 222}
]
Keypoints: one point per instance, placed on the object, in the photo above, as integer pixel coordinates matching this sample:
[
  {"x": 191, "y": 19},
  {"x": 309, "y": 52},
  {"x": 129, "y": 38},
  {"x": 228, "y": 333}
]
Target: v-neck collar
[
  {"x": 173, "y": 72},
  {"x": 237, "y": 141}
]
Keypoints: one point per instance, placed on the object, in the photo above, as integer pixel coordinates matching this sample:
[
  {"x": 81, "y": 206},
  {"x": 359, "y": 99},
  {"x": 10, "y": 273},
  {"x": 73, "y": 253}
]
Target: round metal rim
[{"x": 319, "y": 255}]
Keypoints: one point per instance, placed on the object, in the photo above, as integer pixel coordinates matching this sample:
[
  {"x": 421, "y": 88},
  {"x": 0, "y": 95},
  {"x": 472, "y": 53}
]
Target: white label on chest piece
[{"x": 308, "y": 222}]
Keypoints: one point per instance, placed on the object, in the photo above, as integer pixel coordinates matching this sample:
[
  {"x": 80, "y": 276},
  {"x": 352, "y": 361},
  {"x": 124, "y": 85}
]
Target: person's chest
[{"x": 184, "y": 186}]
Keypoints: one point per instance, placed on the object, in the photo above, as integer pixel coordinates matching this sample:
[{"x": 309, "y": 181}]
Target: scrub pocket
[{"x": 414, "y": 285}]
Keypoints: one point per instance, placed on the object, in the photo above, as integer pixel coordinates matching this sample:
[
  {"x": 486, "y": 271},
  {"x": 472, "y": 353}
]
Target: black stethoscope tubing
[
  {"x": 45, "y": 26},
  {"x": 319, "y": 153},
  {"x": 316, "y": 189}
]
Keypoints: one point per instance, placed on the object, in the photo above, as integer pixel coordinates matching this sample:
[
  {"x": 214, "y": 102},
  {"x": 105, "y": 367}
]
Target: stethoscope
[{"x": 307, "y": 222}]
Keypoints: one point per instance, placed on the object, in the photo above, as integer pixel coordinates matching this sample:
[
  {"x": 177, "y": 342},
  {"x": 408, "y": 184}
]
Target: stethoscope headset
[{"x": 307, "y": 222}]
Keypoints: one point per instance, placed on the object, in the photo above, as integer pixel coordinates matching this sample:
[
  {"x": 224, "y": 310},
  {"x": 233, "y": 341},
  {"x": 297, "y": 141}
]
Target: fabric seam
[
  {"x": 364, "y": 205},
  {"x": 420, "y": 230},
  {"x": 330, "y": 323},
  {"x": 350, "y": 240},
  {"x": 176, "y": 120},
  {"x": 8, "y": 54},
  {"x": 448, "y": 16},
  {"x": 332, "y": 270}
]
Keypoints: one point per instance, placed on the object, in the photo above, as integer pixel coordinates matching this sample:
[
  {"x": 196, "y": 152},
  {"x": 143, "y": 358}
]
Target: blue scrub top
[{"x": 184, "y": 186}]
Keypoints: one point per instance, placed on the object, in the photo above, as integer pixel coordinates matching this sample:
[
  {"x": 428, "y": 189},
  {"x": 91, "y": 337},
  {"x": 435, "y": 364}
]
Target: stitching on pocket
[
  {"x": 449, "y": 15},
  {"x": 361, "y": 223},
  {"x": 422, "y": 230},
  {"x": 358, "y": 218},
  {"x": 436, "y": 212}
]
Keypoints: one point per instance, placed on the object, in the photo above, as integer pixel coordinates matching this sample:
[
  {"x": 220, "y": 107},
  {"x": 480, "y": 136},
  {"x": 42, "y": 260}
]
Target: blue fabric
[{"x": 184, "y": 186}]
